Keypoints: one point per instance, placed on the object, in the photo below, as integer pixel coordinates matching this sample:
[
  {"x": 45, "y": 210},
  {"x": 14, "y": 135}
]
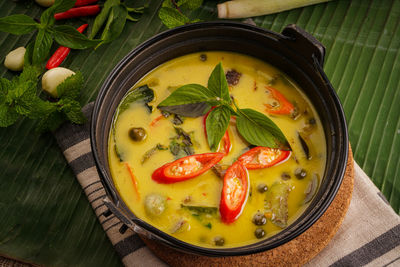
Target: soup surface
[{"x": 189, "y": 210}]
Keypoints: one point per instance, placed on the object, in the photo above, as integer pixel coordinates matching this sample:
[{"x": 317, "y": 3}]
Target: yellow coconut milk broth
[{"x": 206, "y": 189}]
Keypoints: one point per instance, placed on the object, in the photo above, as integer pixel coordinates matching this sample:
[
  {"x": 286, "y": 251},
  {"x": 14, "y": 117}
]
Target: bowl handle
[{"x": 305, "y": 43}]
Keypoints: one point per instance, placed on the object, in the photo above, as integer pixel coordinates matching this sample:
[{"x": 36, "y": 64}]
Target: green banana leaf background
[{"x": 45, "y": 218}]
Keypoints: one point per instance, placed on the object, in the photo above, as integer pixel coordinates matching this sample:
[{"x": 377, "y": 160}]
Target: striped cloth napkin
[{"x": 369, "y": 235}]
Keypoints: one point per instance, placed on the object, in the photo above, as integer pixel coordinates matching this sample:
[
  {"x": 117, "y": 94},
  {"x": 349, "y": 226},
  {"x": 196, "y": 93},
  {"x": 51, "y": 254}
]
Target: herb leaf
[
  {"x": 101, "y": 18},
  {"x": 115, "y": 24},
  {"x": 216, "y": 124},
  {"x": 68, "y": 36},
  {"x": 190, "y": 4},
  {"x": 172, "y": 18},
  {"x": 42, "y": 46},
  {"x": 71, "y": 87},
  {"x": 190, "y": 94},
  {"x": 17, "y": 24},
  {"x": 218, "y": 84},
  {"x": 259, "y": 130},
  {"x": 143, "y": 94},
  {"x": 188, "y": 110}
]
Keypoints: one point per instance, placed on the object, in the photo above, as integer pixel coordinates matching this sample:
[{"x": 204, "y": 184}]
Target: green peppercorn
[
  {"x": 285, "y": 176},
  {"x": 219, "y": 241},
  {"x": 300, "y": 173},
  {"x": 259, "y": 219},
  {"x": 203, "y": 57},
  {"x": 259, "y": 233},
  {"x": 262, "y": 188},
  {"x": 137, "y": 134}
]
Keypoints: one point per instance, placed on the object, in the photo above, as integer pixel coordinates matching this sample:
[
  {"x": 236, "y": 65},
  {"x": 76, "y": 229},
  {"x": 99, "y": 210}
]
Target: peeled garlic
[
  {"x": 15, "y": 59},
  {"x": 53, "y": 77}
]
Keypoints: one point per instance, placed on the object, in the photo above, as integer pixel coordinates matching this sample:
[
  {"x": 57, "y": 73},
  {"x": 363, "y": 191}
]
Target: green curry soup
[{"x": 143, "y": 139}]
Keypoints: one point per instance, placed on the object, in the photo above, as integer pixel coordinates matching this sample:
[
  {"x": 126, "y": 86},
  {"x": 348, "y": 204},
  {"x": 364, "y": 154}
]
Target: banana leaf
[{"x": 45, "y": 216}]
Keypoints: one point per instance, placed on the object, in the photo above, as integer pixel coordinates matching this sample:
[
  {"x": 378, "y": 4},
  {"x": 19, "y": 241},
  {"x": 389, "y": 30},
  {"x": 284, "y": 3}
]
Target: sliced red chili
[
  {"x": 62, "y": 52},
  {"x": 234, "y": 192},
  {"x": 75, "y": 12},
  {"x": 225, "y": 139},
  {"x": 186, "y": 168},
  {"x": 281, "y": 104},
  {"x": 263, "y": 157}
]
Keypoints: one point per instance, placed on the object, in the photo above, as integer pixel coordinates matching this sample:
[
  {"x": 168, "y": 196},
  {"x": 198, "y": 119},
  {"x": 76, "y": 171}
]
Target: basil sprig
[
  {"x": 195, "y": 100},
  {"x": 64, "y": 35}
]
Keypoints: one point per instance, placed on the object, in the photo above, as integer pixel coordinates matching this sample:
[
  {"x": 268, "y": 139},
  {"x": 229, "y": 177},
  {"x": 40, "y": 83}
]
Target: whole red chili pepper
[
  {"x": 76, "y": 12},
  {"x": 186, "y": 168},
  {"x": 62, "y": 52},
  {"x": 225, "y": 138},
  {"x": 84, "y": 2}
]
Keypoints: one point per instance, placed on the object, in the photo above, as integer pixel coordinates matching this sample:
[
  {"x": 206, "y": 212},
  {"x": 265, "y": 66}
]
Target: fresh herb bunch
[
  {"x": 195, "y": 100},
  {"x": 172, "y": 14},
  {"x": 116, "y": 13},
  {"x": 19, "y": 98},
  {"x": 46, "y": 30}
]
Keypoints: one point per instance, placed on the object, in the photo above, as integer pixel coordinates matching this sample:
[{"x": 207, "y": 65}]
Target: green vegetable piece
[
  {"x": 262, "y": 188},
  {"x": 218, "y": 84},
  {"x": 18, "y": 24},
  {"x": 172, "y": 18},
  {"x": 276, "y": 203},
  {"x": 137, "y": 134},
  {"x": 216, "y": 124},
  {"x": 311, "y": 189},
  {"x": 259, "y": 130},
  {"x": 259, "y": 219},
  {"x": 68, "y": 36},
  {"x": 151, "y": 152},
  {"x": 142, "y": 94},
  {"x": 200, "y": 209},
  {"x": 219, "y": 241},
  {"x": 154, "y": 204},
  {"x": 259, "y": 233}
]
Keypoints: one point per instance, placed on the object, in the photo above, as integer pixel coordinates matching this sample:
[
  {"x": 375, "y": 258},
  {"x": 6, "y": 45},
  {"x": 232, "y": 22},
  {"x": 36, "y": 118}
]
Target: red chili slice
[
  {"x": 186, "y": 168},
  {"x": 263, "y": 157},
  {"x": 225, "y": 139},
  {"x": 234, "y": 192},
  {"x": 283, "y": 105}
]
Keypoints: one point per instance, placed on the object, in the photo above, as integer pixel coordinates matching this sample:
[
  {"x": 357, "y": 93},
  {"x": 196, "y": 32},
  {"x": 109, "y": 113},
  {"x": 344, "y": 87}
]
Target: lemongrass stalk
[{"x": 252, "y": 8}]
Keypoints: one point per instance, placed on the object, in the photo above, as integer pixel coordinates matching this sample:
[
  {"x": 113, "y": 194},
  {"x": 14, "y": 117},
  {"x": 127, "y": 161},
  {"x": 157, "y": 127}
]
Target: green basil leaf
[
  {"x": 188, "y": 110},
  {"x": 63, "y": 5},
  {"x": 8, "y": 115},
  {"x": 172, "y": 18},
  {"x": 101, "y": 18},
  {"x": 28, "y": 54},
  {"x": 142, "y": 94},
  {"x": 216, "y": 124},
  {"x": 115, "y": 24},
  {"x": 68, "y": 36},
  {"x": 259, "y": 130},
  {"x": 42, "y": 46},
  {"x": 217, "y": 83},
  {"x": 17, "y": 24},
  {"x": 190, "y": 94}
]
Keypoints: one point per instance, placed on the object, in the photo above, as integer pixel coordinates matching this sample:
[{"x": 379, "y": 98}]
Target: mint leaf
[
  {"x": 172, "y": 18},
  {"x": 18, "y": 24},
  {"x": 216, "y": 124},
  {"x": 29, "y": 73},
  {"x": 259, "y": 130},
  {"x": 72, "y": 110},
  {"x": 218, "y": 84},
  {"x": 190, "y": 4},
  {"x": 41, "y": 108},
  {"x": 68, "y": 36},
  {"x": 101, "y": 18},
  {"x": 8, "y": 116},
  {"x": 71, "y": 87},
  {"x": 115, "y": 24},
  {"x": 190, "y": 94},
  {"x": 50, "y": 122},
  {"x": 42, "y": 46},
  {"x": 5, "y": 86}
]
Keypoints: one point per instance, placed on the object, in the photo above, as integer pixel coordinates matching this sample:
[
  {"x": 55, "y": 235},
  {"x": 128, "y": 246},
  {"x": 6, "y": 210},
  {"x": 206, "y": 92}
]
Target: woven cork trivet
[{"x": 294, "y": 253}]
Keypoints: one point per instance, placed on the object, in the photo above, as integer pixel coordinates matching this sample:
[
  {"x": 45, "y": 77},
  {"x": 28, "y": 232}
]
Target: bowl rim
[{"x": 170, "y": 240}]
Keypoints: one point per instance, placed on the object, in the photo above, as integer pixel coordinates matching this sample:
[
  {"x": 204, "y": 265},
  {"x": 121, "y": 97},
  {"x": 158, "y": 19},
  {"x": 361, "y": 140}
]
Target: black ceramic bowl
[{"x": 295, "y": 52}]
